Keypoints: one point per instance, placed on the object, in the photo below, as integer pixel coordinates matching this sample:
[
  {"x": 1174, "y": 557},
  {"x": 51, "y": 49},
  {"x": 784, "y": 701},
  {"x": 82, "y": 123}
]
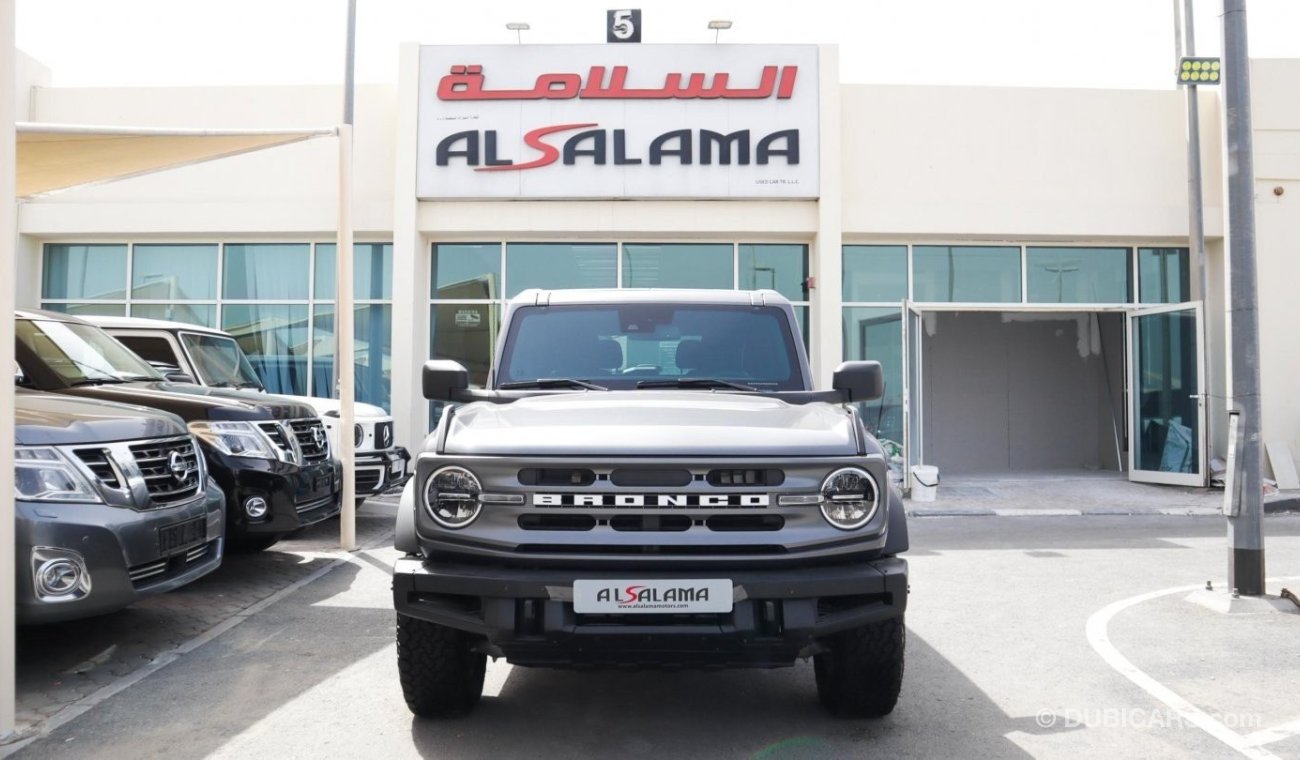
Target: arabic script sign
[{"x": 661, "y": 121}]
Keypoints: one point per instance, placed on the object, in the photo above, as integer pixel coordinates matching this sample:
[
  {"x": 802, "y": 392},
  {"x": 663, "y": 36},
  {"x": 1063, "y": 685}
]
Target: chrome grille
[
  {"x": 100, "y": 462},
  {"x": 368, "y": 479},
  {"x": 310, "y": 434},
  {"x": 276, "y": 433},
  {"x": 170, "y": 468}
]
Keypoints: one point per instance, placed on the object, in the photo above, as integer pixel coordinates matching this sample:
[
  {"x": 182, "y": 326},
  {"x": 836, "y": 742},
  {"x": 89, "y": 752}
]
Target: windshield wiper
[
  {"x": 134, "y": 378},
  {"x": 694, "y": 382},
  {"x": 553, "y": 382},
  {"x": 99, "y": 381},
  {"x": 250, "y": 384}
]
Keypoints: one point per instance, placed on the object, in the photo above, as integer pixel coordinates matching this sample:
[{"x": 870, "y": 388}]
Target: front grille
[
  {"x": 368, "y": 479},
  {"x": 685, "y": 550},
  {"x": 310, "y": 434},
  {"x": 101, "y": 464},
  {"x": 556, "y": 476},
  {"x": 745, "y": 477},
  {"x": 277, "y": 435},
  {"x": 629, "y": 478},
  {"x": 383, "y": 435},
  {"x": 308, "y": 506},
  {"x": 170, "y": 469},
  {"x": 160, "y": 570}
]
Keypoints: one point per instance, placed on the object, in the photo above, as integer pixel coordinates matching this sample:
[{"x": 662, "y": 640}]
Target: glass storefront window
[
  {"x": 267, "y": 272},
  {"x": 876, "y": 333},
  {"x": 84, "y": 272},
  {"x": 465, "y": 332},
  {"x": 875, "y": 273},
  {"x": 466, "y": 270},
  {"x": 966, "y": 274},
  {"x": 1079, "y": 275},
  {"x": 560, "y": 265},
  {"x": 372, "y": 331},
  {"x": 189, "y": 313},
  {"x": 88, "y": 309},
  {"x": 1164, "y": 275},
  {"x": 174, "y": 272},
  {"x": 676, "y": 265},
  {"x": 779, "y": 267},
  {"x": 372, "y": 271},
  {"x": 1166, "y": 407},
  {"x": 274, "y": 336}
]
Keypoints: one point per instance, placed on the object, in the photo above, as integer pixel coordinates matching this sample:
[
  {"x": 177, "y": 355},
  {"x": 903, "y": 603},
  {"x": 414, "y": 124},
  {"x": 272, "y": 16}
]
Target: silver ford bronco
[{"x": 649, "y": 480}]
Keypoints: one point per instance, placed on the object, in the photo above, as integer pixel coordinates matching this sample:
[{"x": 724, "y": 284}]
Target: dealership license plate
[
  {"x": 181, "y": 536},
  {"x": 676, "y": 595}
]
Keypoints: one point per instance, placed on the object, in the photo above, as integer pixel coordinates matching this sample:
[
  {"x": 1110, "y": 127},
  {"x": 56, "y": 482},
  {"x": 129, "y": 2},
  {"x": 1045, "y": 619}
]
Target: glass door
[
  {"x": 1167, "y": 402},
  {"x": 913, "y": 332}
]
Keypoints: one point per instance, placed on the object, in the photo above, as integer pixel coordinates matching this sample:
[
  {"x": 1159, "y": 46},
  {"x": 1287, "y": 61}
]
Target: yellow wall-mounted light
[{"x": 1192, "y": 71}]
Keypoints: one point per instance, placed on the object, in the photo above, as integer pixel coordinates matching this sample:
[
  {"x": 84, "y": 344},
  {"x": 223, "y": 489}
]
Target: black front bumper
[
  {"x": 378, "y": 471},
  {"x": 527, "y": 616},
  {"x": 298, "y": 495}
]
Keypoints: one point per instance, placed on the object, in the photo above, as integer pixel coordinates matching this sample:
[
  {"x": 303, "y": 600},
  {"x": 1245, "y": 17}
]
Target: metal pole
[
  {"x": 343, "y": 360},
  {"x": 1195, "y": 206},
  {"x": 8, "y": 241},
  {"x": 349, "y": 87},
  {"x": 1246, "y": 529}
]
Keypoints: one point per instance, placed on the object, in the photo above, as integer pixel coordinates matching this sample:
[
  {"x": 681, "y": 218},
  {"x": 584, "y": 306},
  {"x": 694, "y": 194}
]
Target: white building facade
[{"x": 1017, "y": 258}]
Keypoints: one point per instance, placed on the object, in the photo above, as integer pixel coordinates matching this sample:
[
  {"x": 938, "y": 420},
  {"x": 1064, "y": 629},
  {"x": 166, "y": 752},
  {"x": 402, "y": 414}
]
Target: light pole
[
  {"x": 344, "y": 346},
  {"x": 1246, "y": 527},
  {"x": 8, "y": 236},
  {"x": 518, "y": 27}
]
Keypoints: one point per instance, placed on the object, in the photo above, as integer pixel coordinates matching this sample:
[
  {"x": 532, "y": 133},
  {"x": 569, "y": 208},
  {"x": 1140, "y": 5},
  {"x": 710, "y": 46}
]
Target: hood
[
  {"x": 324, "y": 406},
  {"x": 196, "y": 402},
  {"x": 643, "y": 423},
  {"x": 47, "y": 419}
]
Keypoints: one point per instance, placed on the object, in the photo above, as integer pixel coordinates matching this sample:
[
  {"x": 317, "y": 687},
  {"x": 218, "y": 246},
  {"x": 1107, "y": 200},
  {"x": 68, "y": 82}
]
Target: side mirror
[
  {"x": 859, "y": 381},
  {"x": 443, "y": 379},
  {"x": 19, "y": 377}
]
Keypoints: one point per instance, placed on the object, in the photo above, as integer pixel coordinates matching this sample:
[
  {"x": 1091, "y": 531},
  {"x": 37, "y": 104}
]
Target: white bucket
[{"x": 925, "y": 482}]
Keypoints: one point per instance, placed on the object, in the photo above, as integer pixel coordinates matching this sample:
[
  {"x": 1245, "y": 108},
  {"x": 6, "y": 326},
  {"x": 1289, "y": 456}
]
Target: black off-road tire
[
  {"x": 861, "y": 675},
  {"x": 441, "y": 676}
]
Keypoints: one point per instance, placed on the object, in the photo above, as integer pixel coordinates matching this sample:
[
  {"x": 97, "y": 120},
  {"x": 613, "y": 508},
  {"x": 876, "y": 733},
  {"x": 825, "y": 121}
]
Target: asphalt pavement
[{"x": 1027, "y": 637}]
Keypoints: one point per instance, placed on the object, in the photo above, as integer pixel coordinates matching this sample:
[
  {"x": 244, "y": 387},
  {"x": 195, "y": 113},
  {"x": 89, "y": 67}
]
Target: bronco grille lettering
[{"x": 650, "y": 500}]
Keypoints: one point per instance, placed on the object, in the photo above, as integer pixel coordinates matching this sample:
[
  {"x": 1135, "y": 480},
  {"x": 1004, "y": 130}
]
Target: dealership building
[{"x": 1018, "y": 259}]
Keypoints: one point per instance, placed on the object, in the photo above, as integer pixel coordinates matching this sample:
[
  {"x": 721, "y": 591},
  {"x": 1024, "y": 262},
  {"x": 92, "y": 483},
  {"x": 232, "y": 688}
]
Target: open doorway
[{"x": 1022, "y": 392}]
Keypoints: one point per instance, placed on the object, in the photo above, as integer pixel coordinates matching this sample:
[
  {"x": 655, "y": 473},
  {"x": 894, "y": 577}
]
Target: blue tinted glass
[
  {"x": 274, "y": 336},
  {"x": 466, "y": 270},
  {"x": 372, "y": 271},
  {"x": 465, "y": 332},
  {"x": 1164, "y": 275},
  {"x": 189, "y": 313},
  {"x": 267, "y": 272},
  {"x": 372, "y": 333},
  {"x": 174, "y": 272},
  {"x": 876, "y": 333},
  {"x": 88, "y": 309},
  {"x": 966, "y": 273},
  {"x": 875, "y": 273},
  {"x": 559, "y": 265},
  {"x": 84, "y": 271},
  {"x": 1079, "y": 275},
  {"x": 677, "y": 265},
  {"x": 779, "y": 267}
]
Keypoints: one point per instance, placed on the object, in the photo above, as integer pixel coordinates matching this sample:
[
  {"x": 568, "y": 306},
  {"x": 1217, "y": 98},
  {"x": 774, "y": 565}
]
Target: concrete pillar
[
  {"x": 410, "y": 265},
  {"x": 826, "y": 318},
  {"x": 8, "y": 237}
]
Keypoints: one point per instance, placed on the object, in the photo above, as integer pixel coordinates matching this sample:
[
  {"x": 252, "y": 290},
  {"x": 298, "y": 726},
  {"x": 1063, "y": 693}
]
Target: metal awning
[{"x": 54, "y": 157}]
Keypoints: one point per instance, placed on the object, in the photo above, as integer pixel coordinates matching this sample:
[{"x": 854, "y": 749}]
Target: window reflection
[
  {"x": 274, "y": 336},
  {"x": 559, "y": 265},
  {"x": 174, "y": 272},
  {"x": 875, "y": 273},
  {"x": 267, "y": 272},
  {"x": 966, "y": 274},
  {"x": 677, "y": 265},
  {"x": 1079, "y": 275},
  {"x": 372, "y": 331},
  {"x": 876, "y": 334},
  {"x": 84, "y": 272},
  {"x": 1163, "y": 275},
  {"x": 783, "y": 268}
]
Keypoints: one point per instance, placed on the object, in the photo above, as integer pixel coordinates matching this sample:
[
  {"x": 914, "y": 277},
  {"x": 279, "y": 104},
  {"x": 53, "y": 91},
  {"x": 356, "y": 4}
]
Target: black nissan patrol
[{"x": 269, "y": 454}]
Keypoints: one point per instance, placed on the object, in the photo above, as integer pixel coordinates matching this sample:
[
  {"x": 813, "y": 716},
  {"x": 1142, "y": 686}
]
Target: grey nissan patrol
[
  {"x": 649, "y": 480},
  {"x": 111, "y": 503}
]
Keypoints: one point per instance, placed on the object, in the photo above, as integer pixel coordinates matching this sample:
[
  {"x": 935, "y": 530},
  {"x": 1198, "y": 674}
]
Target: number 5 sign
[{"x": 623, "y": 26}]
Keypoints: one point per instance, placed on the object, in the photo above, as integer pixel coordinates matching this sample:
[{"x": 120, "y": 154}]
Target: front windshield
[
  {"x": 219, "y": 361},
  {"x": 638, "y": 345},
  {"x": 81, "y": 353}
]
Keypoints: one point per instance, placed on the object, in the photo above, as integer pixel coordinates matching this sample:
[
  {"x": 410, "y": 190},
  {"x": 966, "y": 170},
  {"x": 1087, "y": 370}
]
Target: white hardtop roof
[
  {"x": 141, "y": 323},
  {"x": 651, "y": 295}
]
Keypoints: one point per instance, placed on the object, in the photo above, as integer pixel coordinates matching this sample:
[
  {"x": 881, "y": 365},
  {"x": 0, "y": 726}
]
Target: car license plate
[
  {"x": 675, "y": 595},
  {"x": 173, "y": 539}
]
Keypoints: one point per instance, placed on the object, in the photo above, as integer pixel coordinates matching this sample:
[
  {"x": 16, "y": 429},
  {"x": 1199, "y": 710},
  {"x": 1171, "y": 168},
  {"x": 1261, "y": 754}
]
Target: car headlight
[
  {"x": 358, "y": 434},
  {"x": 237, "y": 439},
  {"x": 850, "y": 498},
  {"x": 451, "y": 496},
  {"x": 42, "y": 474}
]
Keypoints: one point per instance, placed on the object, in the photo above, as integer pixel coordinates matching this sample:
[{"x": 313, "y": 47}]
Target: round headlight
[
  {"x": 451, "y": 497},
  {"x": 849, "y": 498},
  {"x": 358, "y": 434}
]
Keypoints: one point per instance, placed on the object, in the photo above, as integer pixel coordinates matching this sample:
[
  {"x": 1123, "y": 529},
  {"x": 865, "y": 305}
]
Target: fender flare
[{"x": 405, "y": 539}]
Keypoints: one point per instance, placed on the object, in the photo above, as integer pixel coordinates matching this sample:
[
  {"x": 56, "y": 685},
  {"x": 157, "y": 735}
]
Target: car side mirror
[
  {"x": 859, "y": 381},
  {"x": 20, "y": 378},
  {"x": 443, "y": 379}
]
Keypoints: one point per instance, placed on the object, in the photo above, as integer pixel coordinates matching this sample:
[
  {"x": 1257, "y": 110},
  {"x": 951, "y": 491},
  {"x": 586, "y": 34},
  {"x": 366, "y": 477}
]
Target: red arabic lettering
[{"x": 466, "y": 83}]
